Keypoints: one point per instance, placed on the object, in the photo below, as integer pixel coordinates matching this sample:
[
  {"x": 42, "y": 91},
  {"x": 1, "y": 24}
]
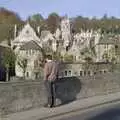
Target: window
[
  {"x": 29, "y": 52},
  {"x": 65, "y": 73},
  {"x": 95, "y": 73},
  {"x": 84, "y": 73},
  {"x": 36, "y": 63},
  {"x": 62, "y": 74},
  {"x": 67, "y": 48},
  {"x": 116, "y": 46},
  {"x": 27, "y": 74},
  {"x": 69, "y": 72},
  {"x": 81, "y": 73},
  {"x": 89, "y": 73},
  {"x": 33, "y": 52},
  {"x": 105, "y": 71},
  {"x": 100, "y": 72},
  {"x": 36, "y": 75}
]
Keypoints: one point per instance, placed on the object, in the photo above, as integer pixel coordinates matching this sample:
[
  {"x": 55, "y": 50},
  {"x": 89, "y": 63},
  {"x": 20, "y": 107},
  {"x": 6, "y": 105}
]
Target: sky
[{"x": 73, "y": 8}]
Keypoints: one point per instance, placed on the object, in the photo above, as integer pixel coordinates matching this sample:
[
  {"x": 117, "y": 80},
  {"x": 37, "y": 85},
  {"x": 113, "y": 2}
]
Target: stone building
[
  {"x": 27, "y": 46},
  {"x": 66, "y": 31},
  {"x": 31, "y": 52},
  {"x": 106, "y": 48},
  {"x": 83, "y": 69}
]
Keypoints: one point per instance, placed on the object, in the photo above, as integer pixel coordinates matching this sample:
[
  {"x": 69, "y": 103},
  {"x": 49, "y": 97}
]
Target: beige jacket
[{"x": 51, "y": 71}]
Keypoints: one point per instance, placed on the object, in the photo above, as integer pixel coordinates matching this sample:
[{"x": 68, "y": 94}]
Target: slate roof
[
  {"x": 30, "y": 45},
  {"x": 107, "y": 39}
]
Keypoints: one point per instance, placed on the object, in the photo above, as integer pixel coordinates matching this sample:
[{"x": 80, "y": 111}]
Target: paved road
[{"x": 106, "y": 112}]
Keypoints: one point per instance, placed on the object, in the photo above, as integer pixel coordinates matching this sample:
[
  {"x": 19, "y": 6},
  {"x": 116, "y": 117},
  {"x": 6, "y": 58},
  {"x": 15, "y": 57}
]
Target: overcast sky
[{"x": 72, "y": 8}]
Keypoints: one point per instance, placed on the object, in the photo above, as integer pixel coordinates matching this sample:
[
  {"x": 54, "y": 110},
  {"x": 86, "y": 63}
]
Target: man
[{"x": 50, "y": 76}]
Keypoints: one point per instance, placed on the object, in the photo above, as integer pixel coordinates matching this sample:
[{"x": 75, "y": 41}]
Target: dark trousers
[{"x": 50, "y": 89}]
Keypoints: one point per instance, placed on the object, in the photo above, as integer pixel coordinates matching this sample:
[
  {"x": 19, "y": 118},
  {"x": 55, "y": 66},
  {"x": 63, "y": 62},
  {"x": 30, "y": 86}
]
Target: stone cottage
[{"x": 27, "y": 46}]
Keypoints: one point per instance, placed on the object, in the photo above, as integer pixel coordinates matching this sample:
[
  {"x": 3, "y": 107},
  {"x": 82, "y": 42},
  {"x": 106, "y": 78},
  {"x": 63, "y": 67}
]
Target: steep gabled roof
[
  {"x": 20, "y": 27},
  {"x": 30, "y": 45},
  {"x": 26, "y": 34}
]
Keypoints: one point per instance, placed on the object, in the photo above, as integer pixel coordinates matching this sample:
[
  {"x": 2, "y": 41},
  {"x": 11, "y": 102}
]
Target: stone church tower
[{"x": 65, "y": 30}]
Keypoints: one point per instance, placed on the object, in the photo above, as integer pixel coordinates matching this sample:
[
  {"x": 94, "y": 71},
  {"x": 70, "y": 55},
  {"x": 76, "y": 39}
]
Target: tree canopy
[
  {"x": 53, "y": 21},
  {"x": 7, "y": 21},
  {"x": 37, "y": 18},
  {"x": 9, "y": 18}
]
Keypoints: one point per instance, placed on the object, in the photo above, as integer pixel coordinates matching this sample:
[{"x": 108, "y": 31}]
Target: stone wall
[
  {"x": 74, "y": 69},
  {"x": 19, "y": 96}
]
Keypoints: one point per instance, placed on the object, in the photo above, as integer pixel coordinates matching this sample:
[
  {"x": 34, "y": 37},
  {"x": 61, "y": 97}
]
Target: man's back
[{"x": 51, "y": 70}]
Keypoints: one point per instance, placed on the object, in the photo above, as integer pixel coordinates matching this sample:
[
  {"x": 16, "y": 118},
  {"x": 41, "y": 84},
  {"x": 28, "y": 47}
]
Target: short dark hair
[{"x": 49, "y": 57}]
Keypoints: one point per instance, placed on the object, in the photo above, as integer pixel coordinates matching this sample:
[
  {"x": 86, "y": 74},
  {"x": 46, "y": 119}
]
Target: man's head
[{"x": 48, "y": 57}]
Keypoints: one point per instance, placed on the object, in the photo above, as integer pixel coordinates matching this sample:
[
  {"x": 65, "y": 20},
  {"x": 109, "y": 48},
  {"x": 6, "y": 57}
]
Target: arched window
[
  {"x": 67, "y": 48},
  {"x": 69, "y": 72},
  {"x": 27, "y": 74},
  {"x": 81, "y": 73},
  {"x": 36, "y": 75},
  {"x": 84, "y": 73},
  {"x": 65, "y": 73}
]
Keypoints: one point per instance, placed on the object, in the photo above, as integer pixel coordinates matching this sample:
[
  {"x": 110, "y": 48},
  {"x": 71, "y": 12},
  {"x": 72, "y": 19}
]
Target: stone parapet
[{"x": 20, "y": 96}]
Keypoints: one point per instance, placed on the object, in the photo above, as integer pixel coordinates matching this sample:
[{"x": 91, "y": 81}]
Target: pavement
[
  {"x": 103, "y": 112},
  {"x": 79, "y": 105}
]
